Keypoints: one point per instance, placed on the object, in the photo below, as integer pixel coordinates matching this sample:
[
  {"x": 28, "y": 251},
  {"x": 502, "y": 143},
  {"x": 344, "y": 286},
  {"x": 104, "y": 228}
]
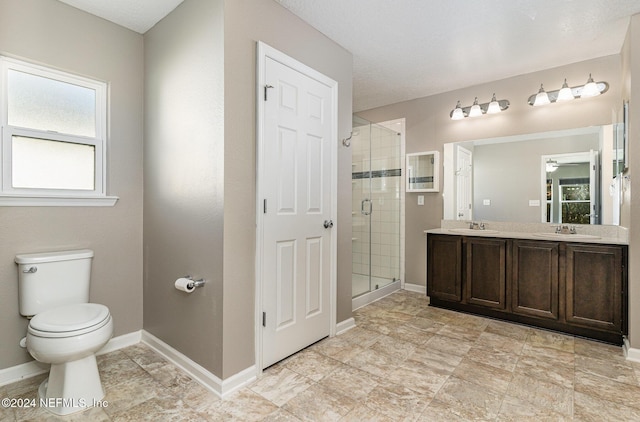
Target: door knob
[{"x": 328, "y": 224}]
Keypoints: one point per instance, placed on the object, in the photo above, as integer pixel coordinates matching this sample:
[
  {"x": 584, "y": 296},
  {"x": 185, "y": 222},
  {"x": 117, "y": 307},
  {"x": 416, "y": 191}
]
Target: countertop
[{"x": 611, "y": 235}]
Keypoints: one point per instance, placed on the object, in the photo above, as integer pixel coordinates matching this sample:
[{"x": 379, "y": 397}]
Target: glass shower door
[
  {"x": 361, "y": 207},
  {"x": 376, "y": 207}
]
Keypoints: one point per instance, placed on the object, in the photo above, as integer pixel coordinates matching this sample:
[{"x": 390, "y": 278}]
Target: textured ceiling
[
  {"x": 407, "y": 49},
  {"x": 137, "y": 15}
]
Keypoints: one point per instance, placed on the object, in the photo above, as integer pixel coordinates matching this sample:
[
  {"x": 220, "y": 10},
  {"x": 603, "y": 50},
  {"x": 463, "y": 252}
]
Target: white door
[
  {"x": 296, "y": 168},
  {"x": 464, "y": 184}
]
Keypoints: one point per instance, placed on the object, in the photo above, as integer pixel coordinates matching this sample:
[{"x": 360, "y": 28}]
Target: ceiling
[
  {"x": 407, "y": 49},
  {"x": 137, "y": 15}
]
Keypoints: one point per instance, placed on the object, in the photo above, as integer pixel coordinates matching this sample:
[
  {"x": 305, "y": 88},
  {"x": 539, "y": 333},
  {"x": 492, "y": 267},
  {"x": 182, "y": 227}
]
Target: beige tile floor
[{"x": 404, "y": 361}]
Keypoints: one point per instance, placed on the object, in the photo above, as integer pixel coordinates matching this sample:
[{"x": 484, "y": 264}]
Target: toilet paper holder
[{"x": 194, "y": 283}]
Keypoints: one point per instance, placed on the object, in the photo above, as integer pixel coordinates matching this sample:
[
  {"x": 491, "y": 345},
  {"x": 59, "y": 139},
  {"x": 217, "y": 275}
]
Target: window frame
[
  {"x": 12, "y": 196},
  {"x": 573, "y": 201}
]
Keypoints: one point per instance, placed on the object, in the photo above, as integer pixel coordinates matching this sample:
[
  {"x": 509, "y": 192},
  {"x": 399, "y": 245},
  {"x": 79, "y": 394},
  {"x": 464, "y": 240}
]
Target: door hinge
[
  {"x": 266, "y": 87},
  {"x": 264, "y": 206},
  {"x": 264, "y": 319}
]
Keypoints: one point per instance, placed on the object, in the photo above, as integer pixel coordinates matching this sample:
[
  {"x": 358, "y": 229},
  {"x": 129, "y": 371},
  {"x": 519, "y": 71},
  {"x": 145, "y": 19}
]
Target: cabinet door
[
  {"x": 535, "y": 279},
  {"x": 444, "y": 263},
  {"x": 486, "y": 272},
  {"x": 594, "y": 286}
]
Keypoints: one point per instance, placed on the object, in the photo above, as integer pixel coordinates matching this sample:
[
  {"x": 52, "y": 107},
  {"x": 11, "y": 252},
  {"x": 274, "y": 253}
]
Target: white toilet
[{"x": 65, "y": 329}]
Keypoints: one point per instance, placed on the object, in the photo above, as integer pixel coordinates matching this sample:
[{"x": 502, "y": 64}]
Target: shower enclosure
[{"x": 377, "y": 199}]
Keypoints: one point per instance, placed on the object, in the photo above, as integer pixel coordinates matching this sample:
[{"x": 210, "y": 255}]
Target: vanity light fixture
[
  {"x": 567, "y": 93},
  {"x": 457, "y": 113},
  {"x": 495, "y": 106},
  {"x": 475, "y": 110},
  {"x": 542, "y": 98},
  {"x": 590, "y": 89}
]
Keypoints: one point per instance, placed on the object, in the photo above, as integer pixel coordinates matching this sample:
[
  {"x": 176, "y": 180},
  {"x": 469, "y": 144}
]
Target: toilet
[{"x": 65, "y": 330}]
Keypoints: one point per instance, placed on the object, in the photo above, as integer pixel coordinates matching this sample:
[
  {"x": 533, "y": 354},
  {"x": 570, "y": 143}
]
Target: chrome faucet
[
  {"x": 564, "y": 229},
  {"x": 476, "y": 226}
]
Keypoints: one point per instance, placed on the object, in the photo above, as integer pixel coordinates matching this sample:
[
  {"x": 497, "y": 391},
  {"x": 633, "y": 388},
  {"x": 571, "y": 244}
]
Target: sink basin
[
  {"x": 564, "y": 236},
  {"x": 473, "y": 231}
]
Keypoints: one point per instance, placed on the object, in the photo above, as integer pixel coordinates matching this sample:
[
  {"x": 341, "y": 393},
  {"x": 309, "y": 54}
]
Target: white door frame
[
  {"x": 581, "y": 157},
  {"x": 264, "y": 51}
]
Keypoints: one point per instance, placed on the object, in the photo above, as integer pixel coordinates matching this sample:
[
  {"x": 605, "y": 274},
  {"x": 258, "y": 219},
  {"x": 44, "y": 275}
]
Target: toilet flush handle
[{"x": 30, "y": 270}]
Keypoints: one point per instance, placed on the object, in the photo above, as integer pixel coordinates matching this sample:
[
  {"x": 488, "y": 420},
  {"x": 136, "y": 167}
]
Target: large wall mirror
[{"x": 560, "y": 177}]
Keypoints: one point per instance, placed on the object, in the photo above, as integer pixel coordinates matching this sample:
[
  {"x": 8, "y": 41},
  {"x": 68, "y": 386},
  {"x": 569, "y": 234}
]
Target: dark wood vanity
[{"x": 573, "y": 287}]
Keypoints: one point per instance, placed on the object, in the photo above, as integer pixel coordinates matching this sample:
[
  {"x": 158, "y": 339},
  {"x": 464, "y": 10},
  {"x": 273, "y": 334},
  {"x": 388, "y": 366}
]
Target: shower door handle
[{"x": 362, "y": 210}]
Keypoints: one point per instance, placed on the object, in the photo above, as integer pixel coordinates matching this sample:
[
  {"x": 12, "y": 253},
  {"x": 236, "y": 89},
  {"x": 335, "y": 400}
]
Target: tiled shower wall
[{"x": 385, "y": 164}]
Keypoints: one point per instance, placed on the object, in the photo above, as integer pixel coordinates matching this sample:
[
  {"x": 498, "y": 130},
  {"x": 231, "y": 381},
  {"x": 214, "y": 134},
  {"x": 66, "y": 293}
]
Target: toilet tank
[{"x": 51, "y": 279}]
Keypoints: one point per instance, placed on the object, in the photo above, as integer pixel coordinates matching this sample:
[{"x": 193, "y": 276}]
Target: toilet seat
[{"x": 69, "y": 320}]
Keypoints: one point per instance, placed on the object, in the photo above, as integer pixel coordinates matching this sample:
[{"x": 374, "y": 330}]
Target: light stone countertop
[{"x": 599, "y": 234}]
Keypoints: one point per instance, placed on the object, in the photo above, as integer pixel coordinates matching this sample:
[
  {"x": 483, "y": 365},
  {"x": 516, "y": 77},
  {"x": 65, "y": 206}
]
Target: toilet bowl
[
  {"x": 68, "y": 337},
  {"x": 65, "y": 330}
]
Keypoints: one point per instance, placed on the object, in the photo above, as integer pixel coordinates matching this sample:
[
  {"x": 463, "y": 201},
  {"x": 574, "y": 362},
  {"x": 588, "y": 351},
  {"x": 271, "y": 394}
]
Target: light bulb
[
  {"x": 457, "y": 113},
  {"x": 494, "y": 106},
  {"x": 541, "y": 98},
  {"x": 475, "y": 109},
  {"x": 565, "y": 93},
  {"x": 590, "y": 89}
]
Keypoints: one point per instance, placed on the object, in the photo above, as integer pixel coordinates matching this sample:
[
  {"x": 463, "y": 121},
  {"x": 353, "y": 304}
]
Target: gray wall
[
  {"x": 428, "y": 127},
  {"x": 246, "y": 22},
  {"x": 54, "y": 34},
  {"x": 200, "y": 171},
  {"x": 184, "y": 175},
  {"x": 630, "y": 213}
]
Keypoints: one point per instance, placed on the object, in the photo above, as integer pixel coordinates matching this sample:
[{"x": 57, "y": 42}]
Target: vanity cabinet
[
  {"x": 535, "y": 277},
  {"x": 446, "y": 277},
  {"x": 594, "y": 286},
  {"x": 486, "y": 271},
  {"x": 577, "y": 288}
]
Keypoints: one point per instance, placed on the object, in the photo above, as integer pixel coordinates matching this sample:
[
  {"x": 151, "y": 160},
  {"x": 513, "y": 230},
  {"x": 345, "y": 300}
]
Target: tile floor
[{"x": 404, "y": 361}]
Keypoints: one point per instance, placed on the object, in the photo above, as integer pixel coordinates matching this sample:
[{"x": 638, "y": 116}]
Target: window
[
  {"x": 575, "y": 200},
  {"x": 53, "y": 137}
]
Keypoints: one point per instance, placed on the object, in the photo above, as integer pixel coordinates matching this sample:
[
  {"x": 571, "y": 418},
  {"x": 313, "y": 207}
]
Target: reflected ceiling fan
[{"x": 553, "y": 165}]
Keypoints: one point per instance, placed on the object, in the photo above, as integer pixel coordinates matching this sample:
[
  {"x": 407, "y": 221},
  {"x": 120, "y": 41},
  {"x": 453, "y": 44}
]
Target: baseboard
[
  {"x": 33, "y": 368},
  {"x": 345, "y": 325},
  {"x": 198, "y": 373},
  {"x": 417, "y": 288},
  {"x": 22, "y": 371},
  {"x": 629, "y": 352},
  {"x": 121, "y": 342}
]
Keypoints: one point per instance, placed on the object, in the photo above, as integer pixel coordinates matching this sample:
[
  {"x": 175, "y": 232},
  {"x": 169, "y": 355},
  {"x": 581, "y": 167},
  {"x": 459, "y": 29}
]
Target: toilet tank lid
[{"x": 38, "y": 258}]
